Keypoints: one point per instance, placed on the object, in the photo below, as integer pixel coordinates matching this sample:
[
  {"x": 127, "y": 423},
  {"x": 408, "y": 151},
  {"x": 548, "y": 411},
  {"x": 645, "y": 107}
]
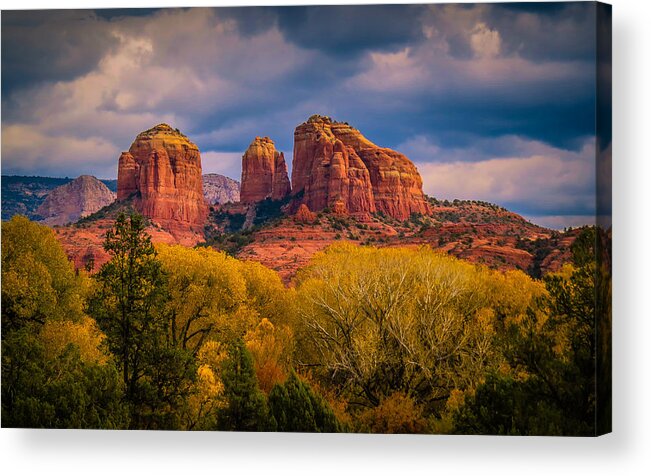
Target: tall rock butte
[
  {"x": 161, "y": 173},
  {"x": 335, "y": 166},
  {"x": 264, "y": 172}
]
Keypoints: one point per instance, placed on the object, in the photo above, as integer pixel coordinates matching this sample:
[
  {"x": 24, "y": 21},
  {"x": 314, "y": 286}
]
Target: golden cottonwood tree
[
  {"x": 38, "y": 281},
  {"x": 55, "y": 371},
  {"x": 271, "y": 349},
  {"x": 207, "y": 397},
  {"x": 214, "y": 300},
  {"x": 380, "y": 321},
  {"x": 207, "y": 292}
]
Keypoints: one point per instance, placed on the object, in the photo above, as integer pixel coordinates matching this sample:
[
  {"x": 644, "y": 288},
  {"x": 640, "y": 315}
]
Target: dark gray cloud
[
  {"x": 439, "y": 81},
  {"x": 52, "y": 45},
  {"x": 544, "y": 31},
  {"x": 350, "y": 30},
  {"x": 112, "y": 13}
]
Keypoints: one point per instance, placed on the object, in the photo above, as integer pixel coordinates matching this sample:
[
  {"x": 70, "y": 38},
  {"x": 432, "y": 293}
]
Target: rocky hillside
[
  {"x": 79, "y": 198},
  {"x": 218, "y": 189},
  {"x": 477, "y": 231},
  {"x": 23, "y": 195}
]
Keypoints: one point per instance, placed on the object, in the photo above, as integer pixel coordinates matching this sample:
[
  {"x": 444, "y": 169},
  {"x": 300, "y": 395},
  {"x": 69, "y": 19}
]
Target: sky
[{"x": 492, "y": 102}]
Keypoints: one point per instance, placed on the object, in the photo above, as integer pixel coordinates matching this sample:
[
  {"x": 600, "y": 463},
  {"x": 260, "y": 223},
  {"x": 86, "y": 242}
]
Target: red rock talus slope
[
  {"x": 76, "y": 199},
  {"x": 334, "y": 165},
  {"x": 83, "y": 242},
  {"x": 264, "y": 172},
  {"x": 161, "y": 174}
]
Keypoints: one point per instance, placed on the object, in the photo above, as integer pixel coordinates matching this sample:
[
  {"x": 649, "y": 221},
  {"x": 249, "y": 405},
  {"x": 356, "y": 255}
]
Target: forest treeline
[{"x": 368, "y": 340}]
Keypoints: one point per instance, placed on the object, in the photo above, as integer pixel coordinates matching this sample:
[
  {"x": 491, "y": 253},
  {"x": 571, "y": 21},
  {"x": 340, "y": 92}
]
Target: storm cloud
[{"x": 501, "y": 91}]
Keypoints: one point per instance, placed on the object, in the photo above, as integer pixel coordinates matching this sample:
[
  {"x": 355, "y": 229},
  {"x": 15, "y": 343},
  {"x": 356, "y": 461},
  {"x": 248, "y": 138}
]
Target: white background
[{"x": 625, "y": 452}]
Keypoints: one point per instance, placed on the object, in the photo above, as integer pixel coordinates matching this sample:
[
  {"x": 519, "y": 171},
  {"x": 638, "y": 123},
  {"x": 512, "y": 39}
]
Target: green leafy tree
[
  {"x": 246, "y": 407},
  {"x": 296, "y": 407},
  {"x": 61, "y": 391}
]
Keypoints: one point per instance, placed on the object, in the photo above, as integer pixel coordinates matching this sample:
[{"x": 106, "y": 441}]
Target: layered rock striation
[
  {"x": 74, "y": 200},
  {"x": 335, "y": 166},
  {"x": 264, "y": 172},
  {"x": 161, "y": 173}
]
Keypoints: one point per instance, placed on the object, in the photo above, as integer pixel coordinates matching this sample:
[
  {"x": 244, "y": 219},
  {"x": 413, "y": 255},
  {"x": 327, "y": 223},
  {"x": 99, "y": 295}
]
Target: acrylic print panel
[{"x": 379, "y": 218}]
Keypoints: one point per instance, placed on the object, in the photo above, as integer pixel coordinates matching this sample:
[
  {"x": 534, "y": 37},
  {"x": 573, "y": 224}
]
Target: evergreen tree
[
  {"x": 246, "y": 407},
  {"x": 61, "y": 391},
  {"x": 296, "y": 407},
  {"x": 129, "y": 306}
]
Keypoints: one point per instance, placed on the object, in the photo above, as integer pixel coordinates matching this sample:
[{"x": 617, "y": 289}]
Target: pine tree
[
  {"x": 129, "y": 306},
  {"x": 246, "y": 407},
  {"x": 296, "y": 407}
]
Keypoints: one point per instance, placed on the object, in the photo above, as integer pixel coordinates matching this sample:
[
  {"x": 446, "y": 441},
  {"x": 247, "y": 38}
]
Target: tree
[
  {"x": 246, "y": 406},
  {"x": 396, "y": 413},
  {"x": 206, "y": 296},
  {"x": 55, "y": 371},
  {"x": 296, "y": 407},
  {"x": 206, "y": 398},
  {"x": 503, "y": 405},
  {"x": 380, "y": 321},
  {"x": 38, "y": 281},
  {"x": 552, "y": 351},
  {"x": 271, "y": 348},
  {"x": 60, "y": 389},
  {"x": 129, "y": 306}
]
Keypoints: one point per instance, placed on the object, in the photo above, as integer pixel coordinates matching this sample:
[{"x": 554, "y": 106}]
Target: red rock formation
[
  {"x": 127, "y": 176},
  {"x": 334, "y": 162},
  {"x": 264, "y": 172},
  {"x": 74, "y": 200},
  {"x": 304, "y": 215},
  {"x": 161, "y": 173},
  {"x": 339, "y": 208}
]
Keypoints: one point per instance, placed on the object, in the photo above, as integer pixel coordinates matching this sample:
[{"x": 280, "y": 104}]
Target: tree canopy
[{"x": 365, "y": 339}]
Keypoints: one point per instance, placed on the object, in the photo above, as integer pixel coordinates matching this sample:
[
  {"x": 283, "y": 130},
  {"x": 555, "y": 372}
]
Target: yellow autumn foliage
[
  {"x": 38, "y": 280},
  {"x": 56, "y": 335},
  {"x": 215, "y": 296},
  {"x": 271, "y": 348},
  {"x": 397, "y": 319},
  {"x": 206, "y": 395}
]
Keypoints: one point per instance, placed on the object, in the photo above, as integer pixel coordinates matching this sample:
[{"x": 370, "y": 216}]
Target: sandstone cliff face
[
  {"x": 336, "y": 166},
  {"x": 218, "y": 189},
  {"x": 161, "y": 173},
  {"x": 74, "y": 200},
  {"x": 264, "y": 172}
]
